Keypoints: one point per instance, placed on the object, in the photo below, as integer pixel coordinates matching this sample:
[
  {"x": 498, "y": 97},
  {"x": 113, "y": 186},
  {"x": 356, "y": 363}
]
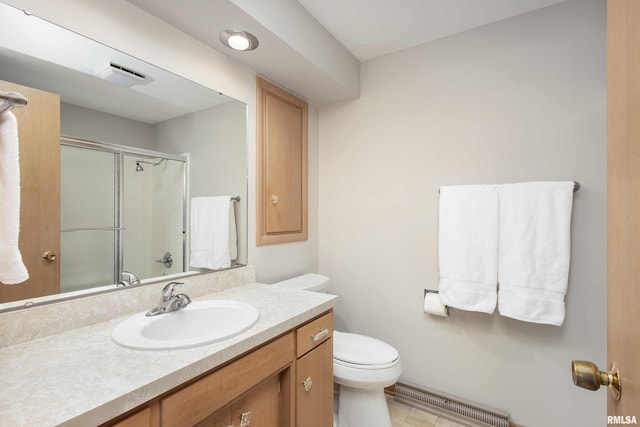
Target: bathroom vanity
[
  {"x": 277, "y": 373},
  {"x": 289, "y": 378}
]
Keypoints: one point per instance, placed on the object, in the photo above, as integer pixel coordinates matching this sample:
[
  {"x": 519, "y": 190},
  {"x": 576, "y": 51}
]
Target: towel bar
[
  {"x": 11, "y": 100},
  {"x": 576, "y": 186}
]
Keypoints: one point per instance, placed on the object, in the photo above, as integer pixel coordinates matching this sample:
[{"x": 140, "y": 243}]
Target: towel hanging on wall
[
  {"x": 468, "y": 247},
  {"x": 213, "y": 232},
  {"x": 534, "y": 250},
  {"x": 12, "y": 269}
]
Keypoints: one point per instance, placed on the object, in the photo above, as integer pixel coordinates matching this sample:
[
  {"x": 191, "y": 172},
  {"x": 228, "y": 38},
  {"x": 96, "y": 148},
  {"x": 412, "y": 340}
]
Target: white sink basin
[{"x": 201, "y": 322}]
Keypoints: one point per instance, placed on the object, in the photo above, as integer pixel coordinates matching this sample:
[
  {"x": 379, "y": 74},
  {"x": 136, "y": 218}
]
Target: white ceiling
[
  {"x": 314, "y": 47},
  {"x": 372, "y": 28},
  {"x": 30, "y": 55}
]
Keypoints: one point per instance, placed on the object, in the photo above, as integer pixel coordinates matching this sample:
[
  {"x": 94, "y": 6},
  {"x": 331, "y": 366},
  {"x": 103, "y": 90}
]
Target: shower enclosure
[{"x": 122, "y": 214}]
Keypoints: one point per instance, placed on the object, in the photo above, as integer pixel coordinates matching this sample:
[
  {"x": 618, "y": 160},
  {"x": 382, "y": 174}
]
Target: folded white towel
[
  {"x": 12, "y": 269},
  {"x": 468, "y": 247},
  {"x": 213, "y": 232},
  {"x": 534, "y": 250}
]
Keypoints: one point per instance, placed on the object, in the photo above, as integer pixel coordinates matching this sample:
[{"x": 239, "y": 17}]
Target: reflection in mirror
[
  {"x": 137, "y": 221},
  {"x": 132, "y": 144}
]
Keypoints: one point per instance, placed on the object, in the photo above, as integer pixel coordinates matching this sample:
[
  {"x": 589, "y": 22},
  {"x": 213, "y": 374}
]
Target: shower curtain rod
[{"x": 11, "y": 100}]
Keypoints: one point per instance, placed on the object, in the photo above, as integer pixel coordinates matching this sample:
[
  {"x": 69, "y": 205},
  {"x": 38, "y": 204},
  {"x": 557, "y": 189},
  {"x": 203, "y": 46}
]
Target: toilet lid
[{"x": 362, "y": 350}]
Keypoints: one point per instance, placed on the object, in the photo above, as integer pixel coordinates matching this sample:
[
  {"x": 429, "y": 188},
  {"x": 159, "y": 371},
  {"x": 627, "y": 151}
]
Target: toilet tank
[{"x": 308, "y": 282}]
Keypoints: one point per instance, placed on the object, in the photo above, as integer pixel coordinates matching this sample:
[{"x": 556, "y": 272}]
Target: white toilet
[{"x": 362, "y": 367}]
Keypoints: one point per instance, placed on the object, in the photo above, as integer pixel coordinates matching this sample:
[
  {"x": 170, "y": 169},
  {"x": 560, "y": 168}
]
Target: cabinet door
[
  {"x": 260, "y": 407},
  {"x": 281, "y": 166},
  {"x": 314, "y": 387},
  {"x": 141, "y": 418},
  {"x": 222, "y": 418},
  {"x": 39, "y": 140}
]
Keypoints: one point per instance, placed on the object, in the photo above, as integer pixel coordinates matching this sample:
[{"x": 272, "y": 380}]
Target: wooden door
[
  {"x": 281, "y": 211},
  {"x": 623, "y": 199},
  {"x": 39, "y": 136},
  {"x": 314, "y": 383}
]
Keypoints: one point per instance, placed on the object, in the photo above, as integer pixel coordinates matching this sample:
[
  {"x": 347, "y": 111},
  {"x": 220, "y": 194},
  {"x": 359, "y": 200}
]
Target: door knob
[
  {"x": 587, "y": 375},
  {"x": 49, "y": 255}
]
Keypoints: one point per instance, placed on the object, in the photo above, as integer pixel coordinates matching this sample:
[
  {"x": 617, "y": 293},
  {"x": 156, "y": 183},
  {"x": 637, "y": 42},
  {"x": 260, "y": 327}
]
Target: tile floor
[{"x": 405, "y": 416}]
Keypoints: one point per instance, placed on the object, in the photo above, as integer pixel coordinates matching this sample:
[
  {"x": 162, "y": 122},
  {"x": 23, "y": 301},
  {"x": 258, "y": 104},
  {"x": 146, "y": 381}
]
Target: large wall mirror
[{"x": 133, "y": 145}]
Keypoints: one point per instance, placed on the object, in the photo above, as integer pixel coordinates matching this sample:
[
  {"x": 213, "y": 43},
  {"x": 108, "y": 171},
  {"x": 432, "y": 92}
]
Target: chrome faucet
[
  {"x": 170, "y": 301},
  {"x": 129, "y": 279}
]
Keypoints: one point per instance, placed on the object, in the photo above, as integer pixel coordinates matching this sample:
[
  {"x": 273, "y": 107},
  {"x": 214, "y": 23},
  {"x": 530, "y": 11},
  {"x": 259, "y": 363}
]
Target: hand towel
[
  {"x": 12, "y": 269},
  {"x": 213, "y": 232},
  {"x": 534, "y": 250},
  {"x": 468, "y": 247}
]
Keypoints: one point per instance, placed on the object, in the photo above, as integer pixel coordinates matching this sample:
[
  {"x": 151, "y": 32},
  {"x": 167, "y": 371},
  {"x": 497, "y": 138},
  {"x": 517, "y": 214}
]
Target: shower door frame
[{"x": 118, "y": 228}]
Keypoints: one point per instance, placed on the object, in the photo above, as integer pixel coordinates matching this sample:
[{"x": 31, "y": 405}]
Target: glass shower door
[
  {"x": 89, "y": 220},
  {"x": 153, "y": 215}
]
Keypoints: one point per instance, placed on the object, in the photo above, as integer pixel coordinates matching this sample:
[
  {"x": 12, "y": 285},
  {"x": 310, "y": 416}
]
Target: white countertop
[{"x": 82, "y": 378}]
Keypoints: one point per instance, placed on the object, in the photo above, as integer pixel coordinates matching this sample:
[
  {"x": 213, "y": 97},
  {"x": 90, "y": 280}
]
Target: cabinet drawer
[
  {"x": 314, "y": 333},
  {"x": 203, "y": 397}
]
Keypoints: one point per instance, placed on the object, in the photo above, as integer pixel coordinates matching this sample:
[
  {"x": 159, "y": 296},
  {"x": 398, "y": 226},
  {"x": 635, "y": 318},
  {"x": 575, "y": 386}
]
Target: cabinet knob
[
  {"x": 245, "y": 419},
  {"x": 307, "y": 384},
  {"x": 274, "y": 199},
  {"x": 49, "y": 256}
]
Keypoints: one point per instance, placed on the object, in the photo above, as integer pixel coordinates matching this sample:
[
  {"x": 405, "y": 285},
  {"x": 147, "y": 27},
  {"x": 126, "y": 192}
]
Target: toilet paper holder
[{"x": 433, "y": 291}]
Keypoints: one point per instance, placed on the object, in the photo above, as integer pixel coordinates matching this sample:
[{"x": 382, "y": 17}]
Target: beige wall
[
  {"x": 519, "y": 100},
  {"x": 125, "y": 27},
  {"x": 84, "y": 123}
]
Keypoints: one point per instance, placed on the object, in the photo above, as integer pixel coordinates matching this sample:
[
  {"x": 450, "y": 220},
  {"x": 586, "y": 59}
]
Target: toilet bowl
[{"x": 362, "y": 367}]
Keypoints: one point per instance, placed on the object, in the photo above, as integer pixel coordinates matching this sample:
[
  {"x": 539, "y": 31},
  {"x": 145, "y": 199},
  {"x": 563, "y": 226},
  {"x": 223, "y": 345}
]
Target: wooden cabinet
[
  {"x": 314, "y": 373},
  {"x": 287, "y": 382},
  {"x": 142, "y": 418},
  {"x": 204, "y": 397},
  {"x": 259, "y": 407},
  {"x": 281, "y": 191}
]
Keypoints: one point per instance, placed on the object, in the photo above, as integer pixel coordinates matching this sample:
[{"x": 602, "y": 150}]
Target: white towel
[
  {"x": 534, "y": 250},
  {"x": 468, "y": 247},
  {"x": 213, "y": 232},
  {"x": 12, "y": 269}
]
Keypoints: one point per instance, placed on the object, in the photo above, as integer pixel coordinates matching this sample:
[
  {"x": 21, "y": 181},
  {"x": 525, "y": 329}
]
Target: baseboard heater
[{"x": 461, "y": 410}]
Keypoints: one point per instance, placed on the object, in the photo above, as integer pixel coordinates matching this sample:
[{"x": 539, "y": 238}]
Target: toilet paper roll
[{"x": 433, "y": 305}]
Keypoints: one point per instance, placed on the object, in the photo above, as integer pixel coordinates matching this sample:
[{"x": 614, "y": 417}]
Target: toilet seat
[
  {"x": 362, "y": 352},
  {"x": 338, "y": 362},
  {"x": 364, "y": 362}
]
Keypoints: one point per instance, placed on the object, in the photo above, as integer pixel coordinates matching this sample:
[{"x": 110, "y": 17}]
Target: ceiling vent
[{"x": 122, "y": 75}]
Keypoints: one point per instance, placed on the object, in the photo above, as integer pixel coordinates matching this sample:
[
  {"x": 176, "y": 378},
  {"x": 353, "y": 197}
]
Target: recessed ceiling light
[{"x": 238, "y": 40}]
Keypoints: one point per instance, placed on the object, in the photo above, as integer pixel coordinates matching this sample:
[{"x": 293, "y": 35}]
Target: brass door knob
[
  {"x": 49, "y": 255},
  {"x": 587, "y": 375}
]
